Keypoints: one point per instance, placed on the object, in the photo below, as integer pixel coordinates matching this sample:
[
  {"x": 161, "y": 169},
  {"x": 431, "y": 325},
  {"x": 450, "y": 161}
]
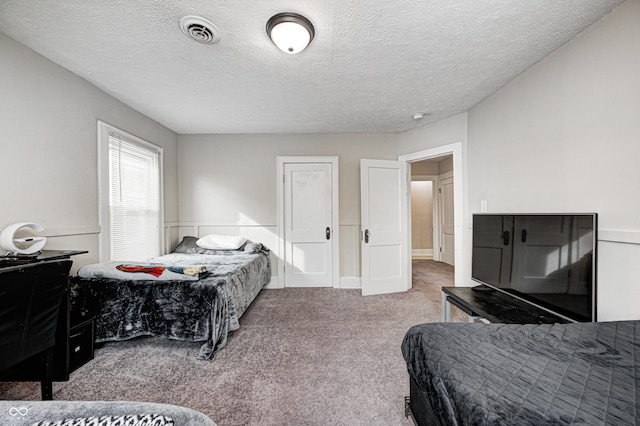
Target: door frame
[
  {"x": 335, "y": 212},
  {"x": 454, "y": 149}
]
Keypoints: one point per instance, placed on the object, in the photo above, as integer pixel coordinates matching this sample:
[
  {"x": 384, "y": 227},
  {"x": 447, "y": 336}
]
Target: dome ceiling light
[{"x": 291, "y": 32}]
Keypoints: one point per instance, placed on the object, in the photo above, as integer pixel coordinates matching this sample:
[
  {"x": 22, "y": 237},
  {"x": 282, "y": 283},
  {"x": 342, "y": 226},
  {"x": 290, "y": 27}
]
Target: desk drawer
[{"x": 80, "y": 345}]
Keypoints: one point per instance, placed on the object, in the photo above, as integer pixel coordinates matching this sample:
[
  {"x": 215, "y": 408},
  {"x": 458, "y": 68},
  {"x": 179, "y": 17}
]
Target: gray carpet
[{"x": 300, "y": 357}]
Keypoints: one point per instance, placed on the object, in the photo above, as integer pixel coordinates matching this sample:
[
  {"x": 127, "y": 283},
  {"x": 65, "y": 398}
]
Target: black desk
[
  {"x": 494, "y": 306},
  {"x": 74, "y": 335},
  {"x": 6, "y": 261}
]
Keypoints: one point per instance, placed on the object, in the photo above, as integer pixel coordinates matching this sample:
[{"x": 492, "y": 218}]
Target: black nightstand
[{"x": 81, "y": 336}]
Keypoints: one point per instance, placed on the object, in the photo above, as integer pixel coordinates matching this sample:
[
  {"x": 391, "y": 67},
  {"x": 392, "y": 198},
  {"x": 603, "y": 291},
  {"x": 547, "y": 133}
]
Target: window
[{"x": 130, "y": 196}]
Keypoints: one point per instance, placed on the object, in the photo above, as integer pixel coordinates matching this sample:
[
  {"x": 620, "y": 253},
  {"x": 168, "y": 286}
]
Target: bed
[
  {"x": 99, "y": 413},
  {"x": 192, "y": 294},
  {"x": 506, "y": 374}
]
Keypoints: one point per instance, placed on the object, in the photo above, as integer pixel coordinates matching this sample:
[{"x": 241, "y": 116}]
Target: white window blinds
[{"x": 134, "y": 199}]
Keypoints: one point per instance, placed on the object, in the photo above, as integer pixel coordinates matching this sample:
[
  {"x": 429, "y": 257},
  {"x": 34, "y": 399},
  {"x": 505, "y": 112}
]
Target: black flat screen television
[{"x": 548, "y": 260}]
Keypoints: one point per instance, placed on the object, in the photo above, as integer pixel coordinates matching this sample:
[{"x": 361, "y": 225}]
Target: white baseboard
[
  {"x": 350, "y": 282},
  {"x": 422, "y": 253},
  {"x": 345, "y": 282},
  {"x": 273, "y": 284}
]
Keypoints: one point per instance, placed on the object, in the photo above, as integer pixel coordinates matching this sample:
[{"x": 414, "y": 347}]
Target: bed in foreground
[
  {"x": 505, "y": 374},
  {"x": 98, "y": 413},
  {"x": 192, "y": 294}
]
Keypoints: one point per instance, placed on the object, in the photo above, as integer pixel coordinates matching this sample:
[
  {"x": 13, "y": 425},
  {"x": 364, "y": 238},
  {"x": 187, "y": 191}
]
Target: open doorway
[
  {"x": 432, "y": 209},
  {"x": 422, "y": 218}
]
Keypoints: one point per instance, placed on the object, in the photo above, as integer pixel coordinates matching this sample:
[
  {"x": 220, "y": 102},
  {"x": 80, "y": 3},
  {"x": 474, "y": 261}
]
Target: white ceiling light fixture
[
  {"x": 418, "y": 115},
  {"x": 200, "y": 29},
  {"x": 291, "y": 32}
]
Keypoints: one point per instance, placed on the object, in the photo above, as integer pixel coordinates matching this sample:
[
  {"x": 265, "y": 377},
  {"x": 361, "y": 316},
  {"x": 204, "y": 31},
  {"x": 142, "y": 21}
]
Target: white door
[
  {"x": 384, "y": 200},
  {"x": 447, "y": 222},
  {"x": 308, "y": 228}
]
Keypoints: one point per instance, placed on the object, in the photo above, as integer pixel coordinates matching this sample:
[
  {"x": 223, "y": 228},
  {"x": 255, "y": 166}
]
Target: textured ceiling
[{"x": 371, "y": 65}]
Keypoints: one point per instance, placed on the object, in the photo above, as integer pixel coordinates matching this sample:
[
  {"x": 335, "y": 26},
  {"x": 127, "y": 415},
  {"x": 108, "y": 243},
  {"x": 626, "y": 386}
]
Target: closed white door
[
  {"x": 384, "y": 200},
  {"x": 447, "y": 223},
  {"x": 308, "y": 226}
]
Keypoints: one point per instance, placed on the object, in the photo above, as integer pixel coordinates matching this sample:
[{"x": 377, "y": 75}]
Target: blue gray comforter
[
  {"x": 495, "y": 374},
  {"x": 203, "y": 310}
]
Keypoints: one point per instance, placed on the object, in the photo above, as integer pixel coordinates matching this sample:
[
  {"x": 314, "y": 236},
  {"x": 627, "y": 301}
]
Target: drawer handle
[{"x": 77, "y": 349}]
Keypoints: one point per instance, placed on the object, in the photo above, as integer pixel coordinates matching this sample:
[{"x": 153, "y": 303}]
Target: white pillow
[{"x": 221, "y": 242}]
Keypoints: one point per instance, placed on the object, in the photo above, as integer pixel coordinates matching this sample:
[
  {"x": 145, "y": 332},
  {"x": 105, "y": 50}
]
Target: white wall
[
  {"x": 422, "y": 218},
  {"x": 48, "y": 156},
  {"x": 565, "y": 137},
  {"x": 446, "y": 165},
  {"x": 434, "y": 135},
  {"x": 423, "y": 178},
  {"x": 228, "y": 184},
  {"x": 424, "y": 168}
]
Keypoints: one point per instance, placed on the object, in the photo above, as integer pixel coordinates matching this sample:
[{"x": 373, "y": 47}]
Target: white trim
[
  {"x": 103, "y": 186},
  {"x": 273, "y": 284},
  {"x": 454, "y": 149},
  {"x": 335, "y": 219},
  {"x": 201, "y": 224},
  {"x": 446, "y": 175},
  {"x": 71, "y": 231},
  {"x": 351, "y": 282},
  {"x": 440, "y": 151},
  {"x": 421, "y": 252},
  {"x": 624, "y": 237}
]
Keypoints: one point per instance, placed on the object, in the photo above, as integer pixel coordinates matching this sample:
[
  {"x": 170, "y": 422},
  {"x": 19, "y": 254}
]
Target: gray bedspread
[
  {"x": 496, "y": 374},
  {"x": 204, "y": 310},
  {"x": 27, "y": 413}
]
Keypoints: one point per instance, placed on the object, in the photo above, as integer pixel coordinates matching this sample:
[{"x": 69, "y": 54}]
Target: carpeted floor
[{"x": 300, "y": 357}]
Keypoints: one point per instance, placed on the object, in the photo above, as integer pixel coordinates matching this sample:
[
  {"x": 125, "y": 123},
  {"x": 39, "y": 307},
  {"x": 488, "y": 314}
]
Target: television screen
[{"x": 545, "y": 259}]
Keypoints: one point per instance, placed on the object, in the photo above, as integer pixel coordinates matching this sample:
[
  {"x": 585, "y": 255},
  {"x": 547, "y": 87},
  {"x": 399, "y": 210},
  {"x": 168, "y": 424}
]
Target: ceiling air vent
[{"x": 200, "y": 29}]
